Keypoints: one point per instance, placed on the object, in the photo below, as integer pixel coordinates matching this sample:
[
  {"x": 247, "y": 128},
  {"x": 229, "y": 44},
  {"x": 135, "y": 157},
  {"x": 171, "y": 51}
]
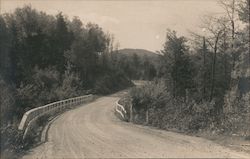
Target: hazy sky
[{"x": 134, "y": 23}]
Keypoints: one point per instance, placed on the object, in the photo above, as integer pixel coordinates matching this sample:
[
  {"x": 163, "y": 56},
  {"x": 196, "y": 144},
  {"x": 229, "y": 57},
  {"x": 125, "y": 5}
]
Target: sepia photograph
[{"x": 124, "y": 79}]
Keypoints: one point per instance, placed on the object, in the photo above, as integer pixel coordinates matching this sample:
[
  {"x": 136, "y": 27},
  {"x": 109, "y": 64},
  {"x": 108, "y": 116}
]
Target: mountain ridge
[{"x": 139, "y": 52}]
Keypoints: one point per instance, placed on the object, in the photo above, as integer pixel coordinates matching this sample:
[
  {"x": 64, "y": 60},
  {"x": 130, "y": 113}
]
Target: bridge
[{"x": 92, "y": 130}]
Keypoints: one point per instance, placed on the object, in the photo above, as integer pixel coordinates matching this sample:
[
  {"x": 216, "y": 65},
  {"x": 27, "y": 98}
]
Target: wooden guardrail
[{"x": 30, "y": 117}]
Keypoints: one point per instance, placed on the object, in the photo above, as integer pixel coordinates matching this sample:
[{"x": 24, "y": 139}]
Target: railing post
[
  {"x": 147, "y": 116},
  {"x": 131, "y": 113}
]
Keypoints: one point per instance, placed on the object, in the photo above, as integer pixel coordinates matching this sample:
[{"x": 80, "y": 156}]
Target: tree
[
  {"x": 136, "y": 63},
  {"x": 201, "y": 57},
  {"x": 230, "y": 8},
  {"x": 215, "y": 29},
  {"x": 36, "y": 50},
  {"x": 7, "y": 102},
  {"x": 243, "y": 11},
  {"x": 62, "y": 40},
  {"x": 5, "y": 44},
  {"x": 151, "y": 72},
  {"x": 204, "y": 51},
  {"x": 179, "y": 69}
]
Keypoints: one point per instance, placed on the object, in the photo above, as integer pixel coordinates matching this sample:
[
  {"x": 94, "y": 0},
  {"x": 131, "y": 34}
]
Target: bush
[
  {"x": 47, "y": 86},
  {"x": 39, "y": 90},
  {"x": 166, "y": 112},
  {"x": 11, "y": 142},
  {"x": 151, "y": 96},
  {"x": 7, "y": 102},
  {"x": 237, "y": 113},
  {"x": 110, "y": 83},
  {"x": 70, "y": 87}
]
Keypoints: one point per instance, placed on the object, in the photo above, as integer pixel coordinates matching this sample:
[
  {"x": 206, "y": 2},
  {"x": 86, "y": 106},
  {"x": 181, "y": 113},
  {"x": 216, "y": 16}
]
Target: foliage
[
  {"x": 39, "y": 90},
  {"x": 243, "y": 10},
  {"x": 237, "y": 112},
  {"x": 112, "y": 82},
  {"x": 48, "y": 58},
  {"x": 7, "y": 101},
  {"x": 11, "y": 142},
  {"x": 137, "y": 63},
  {"x": 206, "y": 84},
  {"x": 45, "y": 58},
  {"x": 166, "y": 112},
  {"x": 69, "y": 87},
  {"x": 177, "y": 66}
]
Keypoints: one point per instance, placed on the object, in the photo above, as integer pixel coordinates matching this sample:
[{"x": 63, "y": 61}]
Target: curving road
[{"x": 93, "y": 131}]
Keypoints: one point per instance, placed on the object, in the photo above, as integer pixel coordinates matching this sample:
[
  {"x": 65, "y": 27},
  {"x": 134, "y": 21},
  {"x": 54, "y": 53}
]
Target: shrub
[
  {"x": 167, "y": 112},
  {"x": 112, "y": 82},
  {"x": 7, "y": 102},
  {"x": 11, "y": 142},
  {"x": 151, "y": 96},
  {"x": 70, "y": 87},
  {"x": 237, "y": 113},
  {"x": 38, "y": 91}
]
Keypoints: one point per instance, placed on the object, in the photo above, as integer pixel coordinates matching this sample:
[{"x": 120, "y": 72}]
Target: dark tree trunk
[
  {"x": 213, "y": 66},
  {"x": 204, "y": 66}
]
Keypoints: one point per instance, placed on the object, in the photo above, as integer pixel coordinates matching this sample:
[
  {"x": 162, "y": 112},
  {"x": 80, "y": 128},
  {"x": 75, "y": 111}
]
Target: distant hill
[{"x": 139, "y": 52}]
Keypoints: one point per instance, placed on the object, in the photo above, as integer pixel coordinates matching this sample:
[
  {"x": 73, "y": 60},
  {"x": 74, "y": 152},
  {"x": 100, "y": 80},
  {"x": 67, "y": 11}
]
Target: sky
[{"x": 140, "y": 24}]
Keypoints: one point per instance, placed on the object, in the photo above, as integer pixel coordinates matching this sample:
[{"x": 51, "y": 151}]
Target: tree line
[
  {"x": 137, "y": 67},
  {"x": 45, "y": 58},
  {"x": 203, "y": 82}
]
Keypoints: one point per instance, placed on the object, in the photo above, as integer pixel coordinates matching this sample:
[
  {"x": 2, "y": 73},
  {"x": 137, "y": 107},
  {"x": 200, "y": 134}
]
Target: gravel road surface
[{"x": 93, "y": 131}]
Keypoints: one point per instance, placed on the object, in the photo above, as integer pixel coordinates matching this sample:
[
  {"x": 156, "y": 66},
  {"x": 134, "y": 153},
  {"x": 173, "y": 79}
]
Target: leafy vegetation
[
  {"x": 46, "y": 58},
  {"x": 200, "y": 83},
  {"x": 137, "y": 63},
  {"x": 203, "y": 83}
]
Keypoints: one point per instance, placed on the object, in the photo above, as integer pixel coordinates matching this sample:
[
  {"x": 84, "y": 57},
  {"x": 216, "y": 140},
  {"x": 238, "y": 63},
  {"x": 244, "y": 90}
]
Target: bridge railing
[
  {"x": 30, "y": 117},
  {"x": 121, "y": 111}
]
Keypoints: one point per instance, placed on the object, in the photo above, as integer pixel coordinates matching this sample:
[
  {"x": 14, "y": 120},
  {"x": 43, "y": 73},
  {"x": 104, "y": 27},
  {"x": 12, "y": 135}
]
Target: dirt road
[{"x": 93, "y": 131}]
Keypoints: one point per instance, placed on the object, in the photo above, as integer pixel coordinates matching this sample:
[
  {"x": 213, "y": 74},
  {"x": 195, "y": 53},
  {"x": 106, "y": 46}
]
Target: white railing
[
  {"x": 121, "y": 110},
  {"x": 30, "y": 117}
]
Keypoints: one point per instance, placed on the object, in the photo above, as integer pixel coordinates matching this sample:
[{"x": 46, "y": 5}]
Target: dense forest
[
  {"x": 203, "y": 82},
  {"x": 46, "y": 58},
  {"x": 138, "y": 64}
]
